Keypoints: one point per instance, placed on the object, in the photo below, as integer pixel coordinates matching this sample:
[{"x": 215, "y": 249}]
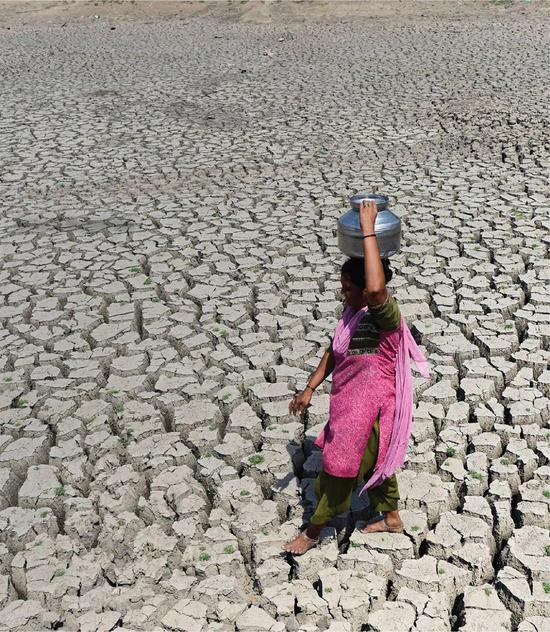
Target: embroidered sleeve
[{"x": 386, "y": 316}]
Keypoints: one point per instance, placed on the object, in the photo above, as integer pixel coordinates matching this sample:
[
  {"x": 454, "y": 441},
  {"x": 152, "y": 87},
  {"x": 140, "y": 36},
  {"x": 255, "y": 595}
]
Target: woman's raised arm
[{"x": 375, "y": 289}]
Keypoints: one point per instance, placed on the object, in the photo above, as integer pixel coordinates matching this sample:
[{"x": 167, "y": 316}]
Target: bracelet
[
  {"x": 370, "y": 235},
  {"x": 308, "y": 386}
]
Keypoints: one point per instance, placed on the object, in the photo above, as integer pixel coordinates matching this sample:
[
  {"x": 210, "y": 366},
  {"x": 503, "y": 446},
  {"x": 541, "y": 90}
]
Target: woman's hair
[{"x": 354, "y": 270}]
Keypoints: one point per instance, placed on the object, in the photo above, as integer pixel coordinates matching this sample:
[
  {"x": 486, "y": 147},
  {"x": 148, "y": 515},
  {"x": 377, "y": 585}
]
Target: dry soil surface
[{"x": 171, "y": 176}]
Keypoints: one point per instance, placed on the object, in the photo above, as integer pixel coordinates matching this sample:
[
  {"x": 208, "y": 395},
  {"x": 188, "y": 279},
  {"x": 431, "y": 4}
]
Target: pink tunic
[{"x": 364, "y": 386}]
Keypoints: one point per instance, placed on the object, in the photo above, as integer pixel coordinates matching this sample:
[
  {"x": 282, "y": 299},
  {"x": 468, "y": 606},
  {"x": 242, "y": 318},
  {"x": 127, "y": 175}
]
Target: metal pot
[{"x": 387, "y": 227}]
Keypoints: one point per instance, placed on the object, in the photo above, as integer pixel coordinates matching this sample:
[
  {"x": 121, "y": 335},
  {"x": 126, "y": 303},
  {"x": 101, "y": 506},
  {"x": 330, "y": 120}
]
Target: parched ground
[{"x": 171, "y": 175}]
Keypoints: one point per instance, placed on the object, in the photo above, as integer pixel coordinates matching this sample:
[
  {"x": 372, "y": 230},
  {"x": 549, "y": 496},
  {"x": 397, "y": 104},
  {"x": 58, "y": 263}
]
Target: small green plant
[
  {"x": 8, "y": 379},
  {"x": 547, "y": 550},
  {"x": 415, "y": 528},
  {"x": 255, "y": 459},
  {"x": 488, "y": 591},
  {"x": 60, "y": 491},
  {"x": 451, "y": 451},
  {"x": 288, "y": 592},
  {"x": 441, "y": 571},
  {"x": 204, "y": 557},
  {"x": 229, "y": 549},
  {"x": 476, "y": 475},
  {"x": 119, "y": 408},
  {"x": 505, "y": 461},
  {"x": 147, "y": 281},
  {"x": 43, "y": 514},
  {"x": 120, "y": 522},
  {"x": 135, "y": 269},
  {"x": 546, "y": 586},
  {"x": 355, "y": 545},
  {"x": 59, "y": 573},
  {"x": 18, "y": 402},
  {"x": 546, "y": 493},
  {"x": 328, "y": 589},
  {"x": 245, "y": 492},
  {"x": 226, "y": 396}
]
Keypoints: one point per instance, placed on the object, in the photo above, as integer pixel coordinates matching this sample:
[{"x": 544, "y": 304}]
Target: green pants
[{"x": 334, "y": 493}]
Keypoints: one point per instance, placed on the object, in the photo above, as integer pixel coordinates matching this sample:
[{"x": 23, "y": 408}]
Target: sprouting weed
[
  {"x": 451, "y": 451},
  {"x": 328, "y": 589},
  {"x": 147, "y": 281},
  {"x": 505, "y": 461},
  {"x": 441, "y": 571},
  {"x": 476, "y": 475},
  {"x": 415, "y": 527},
  {"x": 59, "y": 573},
  {"x": 255, "y": 459},
  {"x": 60, "y": 491},
  {"x": 135, "y": 269},
  {"x": 245, "y": 492},
  {"x": 118, "y": 408},
  {"x": 8, "y": 379},
  {"x": 204, "y": 557},
  {"x": 547, "y": 550},
  {"x": 355, "y": 545},
  {"x": 43, "y": 514},
  {"x": 488, "y": 590},
  {"x": 546, "y": 586},
  {"x": 229, "y": 549}
]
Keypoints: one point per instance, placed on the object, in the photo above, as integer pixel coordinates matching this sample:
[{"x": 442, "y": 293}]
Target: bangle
[
  {"x": 308, "y": 386},
  {"x": 369, "y": 235}
]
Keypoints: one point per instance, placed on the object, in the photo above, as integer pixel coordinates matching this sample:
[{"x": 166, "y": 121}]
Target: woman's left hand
[{"x": 367, "y": 216}]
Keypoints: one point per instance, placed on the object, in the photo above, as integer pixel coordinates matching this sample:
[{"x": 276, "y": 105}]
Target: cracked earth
[{"x": 169, "y": 277}]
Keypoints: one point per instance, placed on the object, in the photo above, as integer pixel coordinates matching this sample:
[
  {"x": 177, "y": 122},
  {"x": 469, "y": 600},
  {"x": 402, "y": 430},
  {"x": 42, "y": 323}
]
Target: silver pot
[{"x": 387, "y": 227}]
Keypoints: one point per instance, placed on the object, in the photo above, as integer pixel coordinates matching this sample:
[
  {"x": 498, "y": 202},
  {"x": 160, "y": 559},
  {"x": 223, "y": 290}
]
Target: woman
[{"x": 363, "y": 360}]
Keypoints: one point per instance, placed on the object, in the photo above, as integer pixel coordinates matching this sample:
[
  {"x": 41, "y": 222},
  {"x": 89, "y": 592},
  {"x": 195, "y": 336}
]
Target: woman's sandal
[
  {"x": 311, "y": 542},
  {"x": 384, "y": 527}
]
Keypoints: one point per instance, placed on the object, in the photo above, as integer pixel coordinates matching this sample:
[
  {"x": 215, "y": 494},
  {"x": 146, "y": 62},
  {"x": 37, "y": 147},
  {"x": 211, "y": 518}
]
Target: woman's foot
[
  {"x": 390, "y": 523},
  {"x": 300, "y": 544}
]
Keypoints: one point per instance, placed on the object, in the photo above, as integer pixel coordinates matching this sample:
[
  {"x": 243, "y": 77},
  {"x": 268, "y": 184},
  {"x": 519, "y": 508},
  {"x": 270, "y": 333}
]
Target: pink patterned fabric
[{"x": 364, "y": 386}]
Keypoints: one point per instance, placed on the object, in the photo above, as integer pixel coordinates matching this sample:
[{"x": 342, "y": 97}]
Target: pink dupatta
[{"x": 388, "y": 463}]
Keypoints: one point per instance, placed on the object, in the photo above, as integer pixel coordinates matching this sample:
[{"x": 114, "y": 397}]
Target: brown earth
[{"x": 263, "y": 12}]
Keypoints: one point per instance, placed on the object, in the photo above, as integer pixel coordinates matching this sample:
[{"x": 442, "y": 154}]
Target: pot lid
[{"x": 380, "y": 199}]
